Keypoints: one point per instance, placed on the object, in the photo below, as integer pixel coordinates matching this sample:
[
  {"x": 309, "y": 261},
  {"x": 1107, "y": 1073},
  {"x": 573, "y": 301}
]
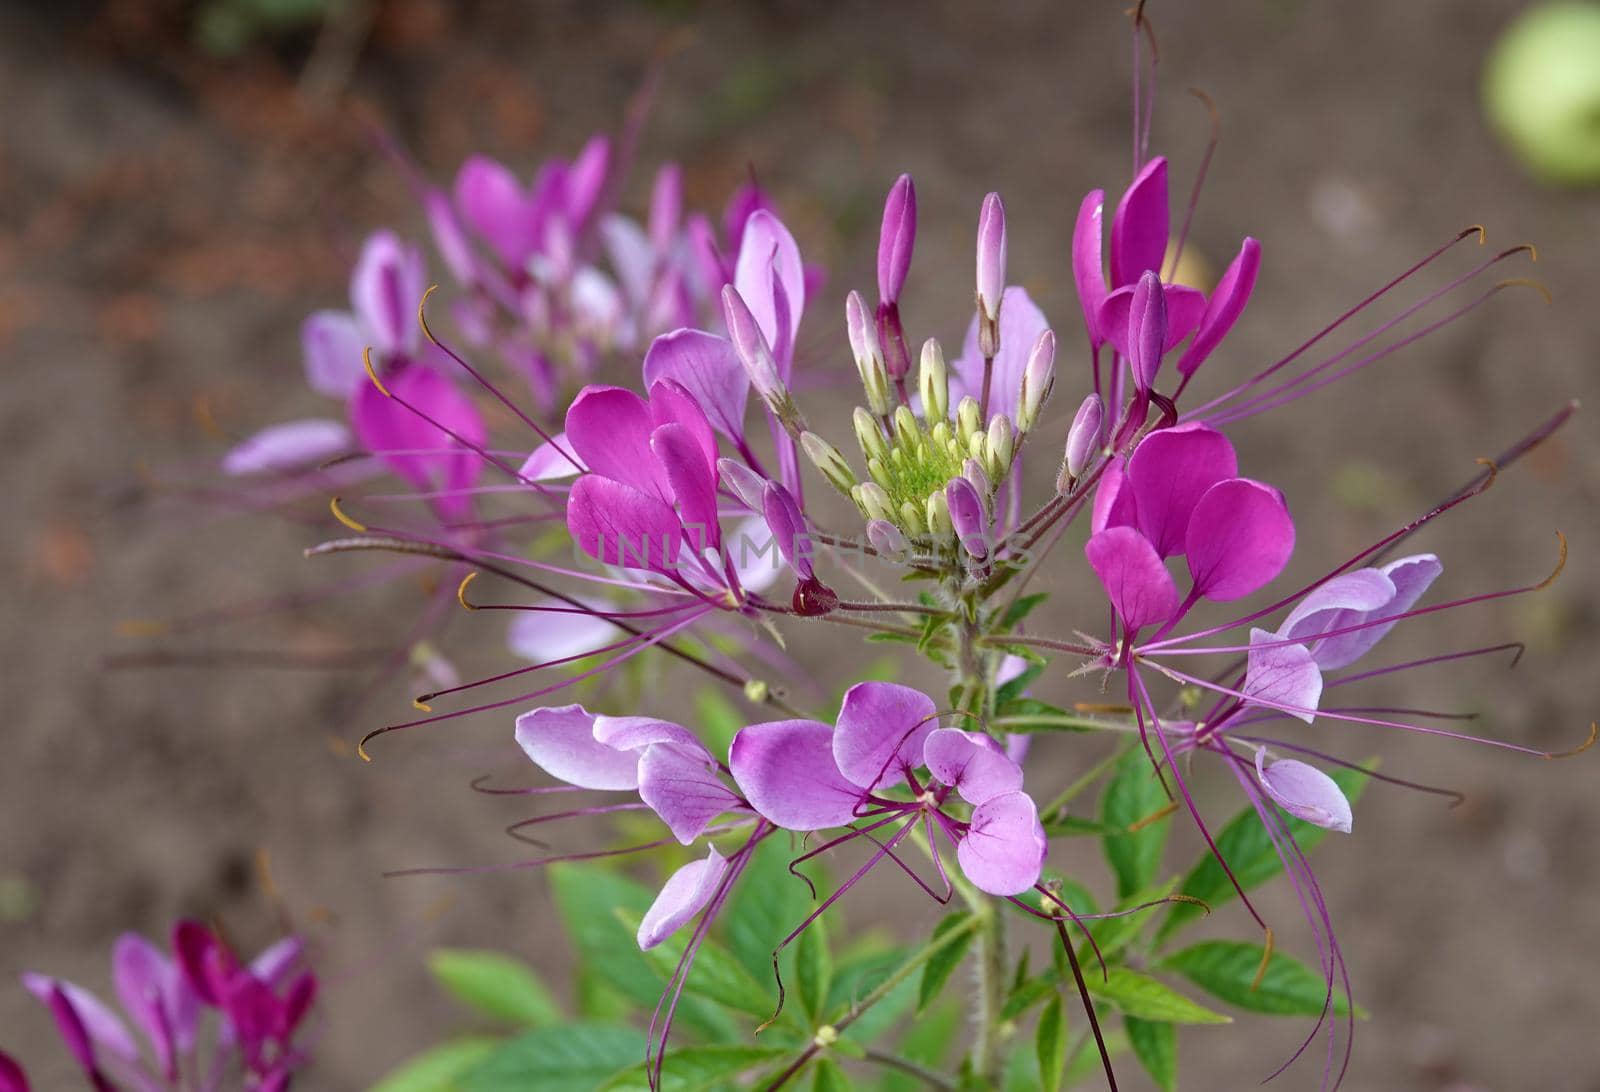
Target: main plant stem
[{"x": 973, "y": 669}]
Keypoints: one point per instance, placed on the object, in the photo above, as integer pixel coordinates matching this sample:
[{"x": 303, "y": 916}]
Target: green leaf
[
  {"x": 938, "y": 969},
  {"x": 859, "y": 976},
  {"x": 765, "y": 905},
  {"x": 592, "y": 902},
  {"x": 1050, "y": 1041},
  {"x": 813, "y": 970},
  {"x": 1112, "y": 935},
  {"x": 695, "y": 1069},
  {"x": 826, "y": 1076},
  {"x": 1244, "y": 844},
  {"x": 436, "y": 1069},
  {"x": 927, "y": 1041},
  {"x": 570, "y": 1058},
  {"x": 497, "y": 985},
  {"x": 1027, "y": 995},
  {"x": 1072, "y": 826},
  {"x": 1227, "y": 969},
  {"x": 1020, "y": 610},
  {"x": 1156, "y": 1047},
  {"x": 1140, "y": 995},
  {"x": 1133, "y": 795},
  {"x": 716, "y": 975},
  {"x": 1086, "y": 1067},
  {"x": 1013, "y": 689}
]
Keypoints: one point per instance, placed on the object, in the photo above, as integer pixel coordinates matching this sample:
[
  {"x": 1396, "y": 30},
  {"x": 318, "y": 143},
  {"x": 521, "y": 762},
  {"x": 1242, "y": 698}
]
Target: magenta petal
[
  {"x": 896, "y": 238},
  {"x": 151, "y": 991},
  {"x": 1170, "y": 471},
  {"x": 1280, "y": 675},
  {"x": 1305, "y": 792},
  {"x": 586, "y": 180},
  {"x": 494, "y": 203},
  {"x": 561, "y": 741},
  {"x": 785, "y": 769},
  {"x": 1140, "y": 227},
  {"x": 682, "y": 787},
  {"x": 386, "y": 288},
  {"x": 1004, "y": 847},
  {"x": 12, "y": 1077},
  {"x": 972, "y": 763},
  {"x": 1225, "y": 306},
  {"x": 637, "y": 733},
  {"x": 97, "y": 1026},
  {"x": 1114, "y": 504},
  {"x": 1137, "y": 583},
  {"x": 771, "y": 279},
  {"x": 608, "y": 429},
  {"x": 1021, "y": 323},
  {"x": 685, "y": 894},
  {"x": 672, "y": 404},
  {"x": 1239, "y": 540},
  {"x": 709, "y": 369},
  {"x": 788, "y": 527},
  {"x": 421, "y": 451},
  {"x": 1088, "y": 262},
  {"x": 287, "y": 446},
  {"x": 331, "y": 346},
  {"x": 693, "y": 485},
  {"x": 882, "y": 727},
  {"x": 619, "y": 525},
  {"x": 273, "y": 963},
  {"x": 1184, "y": 307}
]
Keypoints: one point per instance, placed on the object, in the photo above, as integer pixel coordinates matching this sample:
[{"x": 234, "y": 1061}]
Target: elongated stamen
[
  {"x": 1273, "y": 369},
  {"x": 1447, "y": 657},
  {"x": 1456, "y": 797},
  {"x": 422, "y": 320},
  {"x": 515, "y": 829},
  {"x": 477, "y": 785},
  {"x": 1167, "y": 647}
]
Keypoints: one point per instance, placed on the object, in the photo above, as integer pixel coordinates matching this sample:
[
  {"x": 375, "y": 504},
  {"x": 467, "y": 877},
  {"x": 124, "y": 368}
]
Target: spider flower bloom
[
  {"x": 407, "y": 414},
  {"x": 260, "y": 1008},
  {"x": 803, "y": 775}
]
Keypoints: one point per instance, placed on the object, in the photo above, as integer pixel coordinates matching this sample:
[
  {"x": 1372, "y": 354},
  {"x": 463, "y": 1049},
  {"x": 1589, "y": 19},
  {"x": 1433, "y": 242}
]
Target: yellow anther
[
  {"x": 338, "y": 514},
  {"x": 1154, "y": 817},
  {"x": 422, "y": 705},
  {"x": 141, "y": 627},
  {"x": 372, "y": 373},
  {"x": 422, "y": 318},
  {"x": 461, "y": 590}
]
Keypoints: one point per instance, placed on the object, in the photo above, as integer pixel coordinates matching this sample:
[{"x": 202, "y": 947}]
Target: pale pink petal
[
  {"x": 709, "y": 369},
  {"x": 685, "y": 894},
  {"x": 1004, "y": 848},
  {"x": 560, "y": 741},
  {"x": 972, "y": 763},
  {"x": 331, "y": 347},
  {"x": 683, "y": 788},
  {"x": 1305, "y": 792},
  {"x": 786, "y": 771},
  {"x": 1279, "y": 675},
  {"x": 881, "y": 731},
  {"x": 292, "y": 445}
]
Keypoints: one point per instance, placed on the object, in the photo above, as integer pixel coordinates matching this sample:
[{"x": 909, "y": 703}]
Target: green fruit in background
[{"x": 1541, "y": 90}]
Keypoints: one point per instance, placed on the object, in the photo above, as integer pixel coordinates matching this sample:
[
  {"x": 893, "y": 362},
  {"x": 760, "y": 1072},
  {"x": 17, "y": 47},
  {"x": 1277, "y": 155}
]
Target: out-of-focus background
[{"x": 180, "y": 183}]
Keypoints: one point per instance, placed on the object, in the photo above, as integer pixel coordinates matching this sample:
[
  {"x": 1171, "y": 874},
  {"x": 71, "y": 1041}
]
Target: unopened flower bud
[
  {"x": 873, "y": 501},
  {"x": 938, "y": 513},
  {"x": 745, "y": 483},
  {"x": 934, "y": 382},
  {"x": 827, "y": 459},
  {"x": 897, "y": 238},
  {"x": 751, "y": 345},
  {"x": 869, "y": 355},
  {"x": 973, "y": 471},
  {"x": 1001, "y": 445},
  {"x": 991, "y": 263},
  {"x": 869, "y": 434},
  {"x": 905, "y": 425},
  {"x": 886, "y": 538},
  {"x": 1037, "y": 378},
  {"x": 912, "y": 518},
  {"x": 968, "y": 419},
  {"x": 1083, "y": 439},
  {"x": 1147, "y": 330},
  {"x": 967, "y": 517}
]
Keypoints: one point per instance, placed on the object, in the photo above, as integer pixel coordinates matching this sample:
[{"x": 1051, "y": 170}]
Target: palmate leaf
[
  {"x": 1141, "y": 996},
  {"x": 570, "y": 1058},
  {"x": 1244, "y": 844},
  {"x": 497, "y": 985},
  {"x": 695, "y": 1069},
  {"x": 438, "y": 1068},
  {"x": 716, "y": 975},
  {"x": 1131, "y": 798},
  {"x": 1228, "y": 968},
  {"x": 1156, "y": 1047},
  {"x": 1050, "y": 1043},
  {"x": 938, "y": 969}
]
